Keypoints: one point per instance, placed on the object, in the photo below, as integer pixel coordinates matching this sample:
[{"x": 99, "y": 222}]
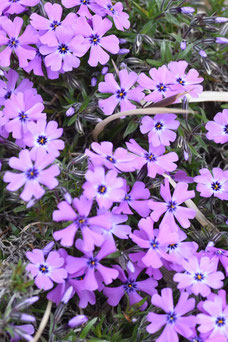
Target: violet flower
[
  {"x": 121, "y": 93},
  {"x": 115, "y": 11},
  {"x": 174, "y": 320},
  {"x": 213, "y": 184},
  {"x": 218, "y": 128},
  {"x": 16, "y": 6},
  {"x": 95, "y": 41},
  {"x": 219, "y": 254},
  {"x": 201, "y": 275},
  {"x": 46, "y": 271},
  {"x": 85, "y": 5},
  {"x": 12, "y": 41},
  {"x": 34, "y": 172},
  {"x": 23, "y": 331},
  {"x": 160, "y": 128},
  {"x": 77, "y": 320},
  {"x": 171, "y": 207},
  {"x": 130, "y": 286}
]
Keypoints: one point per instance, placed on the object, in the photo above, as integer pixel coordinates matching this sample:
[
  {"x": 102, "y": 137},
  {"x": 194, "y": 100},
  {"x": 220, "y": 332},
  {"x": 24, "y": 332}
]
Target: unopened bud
[
  {"x": 70, "y": 111},
  {"x": 183, "y": 45}
]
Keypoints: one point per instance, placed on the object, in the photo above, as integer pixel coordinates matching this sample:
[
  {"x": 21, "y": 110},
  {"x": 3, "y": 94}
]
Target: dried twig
[{"x": 43, "y": 323}]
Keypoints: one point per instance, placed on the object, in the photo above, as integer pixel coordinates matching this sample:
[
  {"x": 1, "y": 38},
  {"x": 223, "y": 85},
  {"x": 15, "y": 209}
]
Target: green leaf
[
  {"x": 131, "y": 127},
  {"x": 88, "y": 327},
  {"x": 155, "y": 63}
]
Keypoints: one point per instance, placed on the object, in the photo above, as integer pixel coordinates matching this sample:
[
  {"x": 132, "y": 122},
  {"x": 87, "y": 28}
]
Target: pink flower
[
  {"x": 218, "y": 129},
  {"x": 16, "y": 7},
  {"x": 85, "y": 5},
  {"x": 116, "y": 12}
]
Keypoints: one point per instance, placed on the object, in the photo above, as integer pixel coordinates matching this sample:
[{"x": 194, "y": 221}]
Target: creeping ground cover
[{"x": 114, "y": 174}]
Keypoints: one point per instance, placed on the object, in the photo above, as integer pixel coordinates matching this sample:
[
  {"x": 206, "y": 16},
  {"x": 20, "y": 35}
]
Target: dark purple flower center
[
  {"x": 216, "y": 186},
  {"x": 199, "y": 276},
  {"x": 196, "y": 339},
  {"x": 181, "y": 81},
  {"x": 220, "y": 321},
  {"x": 42, "y": 140},
  {"x": 85, "y": 2},
  {"x": 121, "y": 93},
  {"x": 102, "y": 189},
  {"x": 171, "y": 317},
  {"x": 14, "y": 0},
  {"x": 8, "y": 94},
  {"x": 110, "y": 8},
  {"x": 23, "y": 116},
  {"x": 130, "y": 286},
  {"x": 63, "y": 49},
  {"x": 172, "y": 206},
  {"x": 172, "y": 246},
  {"x": 150, "y": 157},
  {"x": 80, "y": 277},
  {"x": 55, "y": 24},
  {"x": 32, "y": 173},
  {"x": 158, "y": 126},
  {"x": 81, "y": 221},
  {"x": 154, "y": 244},
  {"x": 127, "y": 198},
  {"x": 161, "y": 87},
  {"x": 13, "y": 43},
  {"x": 94, "y": 39},
  {"x": 219, "y": 252},
  {"x": 92, "y": 262},
  {"x": 43, "y": 269},
  {"x": 111, "y": 159},
  {"x": 38, "y": 53},
  {"x": 226, "y": 129}
]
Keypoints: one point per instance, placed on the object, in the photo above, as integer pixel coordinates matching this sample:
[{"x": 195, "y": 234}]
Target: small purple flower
[
  {"x": 34, "y": 172},
  {"x": 47, "y": 271},
  {"x": 200, "y": 276},
  {"x": 70, "y": 111},
  {"x": 160, "y": 128},
  {"x": 121, "y": 93},
  {"x": 218, "y": 129},
  {"x": 105, "y": 188},
  {"x": 221, "y": 40},
  {"x": 116, "y": 12},
  {"x": 10, "y": 39},
  {"x": 213, "y": 184},
  {"x": 187, "y": 10},
  {"x": 171, "y": 207},
  {"x": 130, "y": 286},
  {"x": 77, "y": 320},
  {"x": 85, "y": 5},
  {"x": 219, "y": 254},
  {"x": 94, "y": 39},
  {"x": 174, "y": 320},
  {"x": 22, "y": 332},
  {"x": 16, "y": 6},
  {"x": 183, "y": 45}
]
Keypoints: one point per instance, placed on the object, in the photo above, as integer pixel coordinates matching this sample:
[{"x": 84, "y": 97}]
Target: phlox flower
[
  {"x": 77, "y": 320},
  {"x": 156, "y": 161},
  {"x": 158, "y": 82},
  {"x": 63, "y": 56},
  {"x": 152, "y": 272},
  {"x": 154, "y": 240},
  {"x": 22, "y": 331},
  {"x": 214, "y": 319},
  {"x": 201, "y": 275},
  {"x": 115, "y": 11},
  {"x": 34, "y": 172},
  {"x": 48, "y": 26},
  {"x": 218, "y": 128},
  {"x": 120, "y": 160},
  {"x": 130, "y": 286},
  {"x": 121, "y": 93},
  {"x": 219, "y": 254},
  {"x": 185, "y": 82},
  {"x": 43, "y": 135},
  {"x": 11, "y": 39},
  {"x": 160, "y": 128},
  {"x": 90, "y": 265},
  {"x": 16, "y": 6},
  {"x": 94, "y": 39},
  {"x": 20, "y": 109},
  {"x": 46, "y": 271},
  {"x": 181, "y": 176},
  {"x": 174, "y": 320},
  {"x": 3, "y": 121},
  {"x": 136, "y": 199},
  {"x": 171, "y": 207},
  {"x": 212, "y": 184},
  {"x": 105, "y": 188},
  {"x": 78, "y": 213},
  {"x": 85, "y": 5}
]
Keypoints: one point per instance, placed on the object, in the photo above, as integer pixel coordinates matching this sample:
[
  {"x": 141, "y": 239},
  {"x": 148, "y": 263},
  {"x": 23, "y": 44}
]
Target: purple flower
[
  {"x": 77, "y": 320},
  {"x": 121, "y": 93},
  {"x": 183, "y": 45},
  {"x": 48, "y": 27},
  {"x": 94, "y": 39},
  {"x": 80, "y": 220},
  {"x": 34, "y": 172},
  {"x": 43, "y": 135},
  {"x": 159, "y": 83},
  {"x": 213, "y": 184},
  {"x": 116, "y": 12},
  {"x": 160, "y": 128},
  {"x": 219, "y": 255},
  {"x": 174, "y": 320},
  {"x": 20, "y": 109},
  {"x": 85, "y": 5},
  {"x": 90, "y": 265},
  {"x": 22, "y": 332},
  {"x": 221, "y": 40},
  {"x": 180, "y": 81},
  {"x": 105, "y": 188},
  {"x": 120, "y": 160},
  {"x": 70, "y": 111},
  {"x": 130, "y": 286},
  {"x": 17, "y": 44},
  {"x": 171, "y": 207},
  {"x": 187, "y": 10},
  {"x": 181, "y": 176},
  {"x": 16, "y": 6},
  {"x": 137, "y": 199},
  {"x": 218, "y": 129},
  {"x": 221, "y": 20},
  {"x": 200, "y": 276},
  {"x": 47, "y": 271},
  {"x": 157, "y": 162}
]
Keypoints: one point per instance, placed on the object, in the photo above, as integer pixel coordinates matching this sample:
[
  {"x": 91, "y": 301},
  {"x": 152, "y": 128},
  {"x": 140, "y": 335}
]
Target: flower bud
[
  {"x": 70, "y": 111},
  {"x": 77, "y": 320},
  {"x": 183, "y": 45}
]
